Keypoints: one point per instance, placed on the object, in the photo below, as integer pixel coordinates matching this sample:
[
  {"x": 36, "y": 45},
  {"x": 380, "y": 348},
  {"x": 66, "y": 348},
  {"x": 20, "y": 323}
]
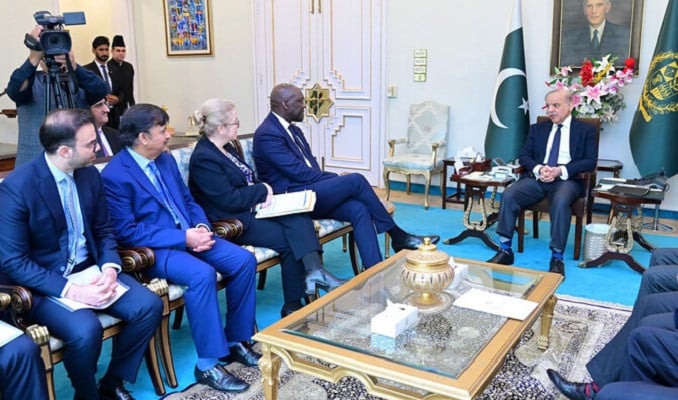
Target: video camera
[{"x": 54, "y": 39}]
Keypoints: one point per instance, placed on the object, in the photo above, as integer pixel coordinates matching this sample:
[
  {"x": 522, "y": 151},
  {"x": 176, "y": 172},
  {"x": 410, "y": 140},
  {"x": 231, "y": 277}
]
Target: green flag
[
  {"x": 509, "y": 116},
  {"x": 654, "y": 131}
]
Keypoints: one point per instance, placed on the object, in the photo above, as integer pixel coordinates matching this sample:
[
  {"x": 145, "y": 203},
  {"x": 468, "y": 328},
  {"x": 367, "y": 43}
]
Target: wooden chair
[
  {"x": 582, "y": 207},
  {"x": 52, "y": 349}
]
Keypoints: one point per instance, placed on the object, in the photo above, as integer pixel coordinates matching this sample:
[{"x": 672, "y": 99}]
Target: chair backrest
[
  {"x": 427, "y": 124},
  {"x": 592, "y": 121}
]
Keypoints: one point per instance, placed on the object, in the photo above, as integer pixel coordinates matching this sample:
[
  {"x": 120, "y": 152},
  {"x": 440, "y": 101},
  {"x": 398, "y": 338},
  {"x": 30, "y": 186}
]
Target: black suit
[
  {"x": 122, "y": 80},
  {"x": 561, "y": 193},
  {"x": 577, "y": 46},
  {"x": 222, "y": 190},
  {"x": 113, "y": 138},
  {"x": 113, "y": 116}
]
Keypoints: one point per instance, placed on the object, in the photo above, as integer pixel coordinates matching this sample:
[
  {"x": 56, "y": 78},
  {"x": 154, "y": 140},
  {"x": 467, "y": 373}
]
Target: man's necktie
[
  {"x": 104, "y": 74},
  {"x": 159, "y": 184},
  {"x": 595, "y": 41},
  {"x": 555, "y": 148},
  {"x": 296, "y": 132},
  {"x": 72, "y": 220},
  {"x": 104, "y": 151}
]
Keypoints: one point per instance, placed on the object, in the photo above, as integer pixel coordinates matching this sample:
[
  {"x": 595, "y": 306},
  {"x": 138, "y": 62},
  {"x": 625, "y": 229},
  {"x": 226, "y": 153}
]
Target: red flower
[
  {"x": 629, "y": 64},
  {"x": 587, "y": 73}
]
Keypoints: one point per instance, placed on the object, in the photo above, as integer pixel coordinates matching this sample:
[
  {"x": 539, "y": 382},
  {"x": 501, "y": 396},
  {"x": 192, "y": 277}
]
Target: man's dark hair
[
  {"x": 99, "y": 40},
  {"x": 140, "y": 118},
  {"x": 60, "y": 126}
]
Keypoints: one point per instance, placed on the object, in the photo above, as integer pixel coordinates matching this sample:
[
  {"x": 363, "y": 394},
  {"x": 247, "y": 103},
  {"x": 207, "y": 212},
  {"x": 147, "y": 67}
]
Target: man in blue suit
[
  {"x": 284, "y": 160},
  {"x": 22, "y": 373},
  {"x": 54, "y": 222},
  {"x": 555, "y": 152},
  {"x": 151, "y": 206},
  {"x": 641, "y": 360}
]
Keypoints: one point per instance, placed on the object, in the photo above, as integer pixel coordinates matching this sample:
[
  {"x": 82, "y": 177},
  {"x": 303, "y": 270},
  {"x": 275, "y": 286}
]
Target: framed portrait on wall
[
  {"x": 592, "y": 29},
  {"x": 188, "y": 28}
]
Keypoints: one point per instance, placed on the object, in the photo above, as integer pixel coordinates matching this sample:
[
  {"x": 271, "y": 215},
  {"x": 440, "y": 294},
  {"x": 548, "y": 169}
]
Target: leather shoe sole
[
  {"x": 502, "y": 257},
  {"x": 219, "y": 379}
]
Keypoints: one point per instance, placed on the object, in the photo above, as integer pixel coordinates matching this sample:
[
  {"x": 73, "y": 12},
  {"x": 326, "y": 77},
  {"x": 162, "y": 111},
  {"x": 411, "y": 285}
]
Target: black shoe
[
  {"x": 113, "y": 391},
  {"x": 218, "y": 378},
  {"x": 557, "y": 266},
  {"x": 242, "y": 354},
  {"x": 288, "y": 309},
  {"x": 412, "y": 242},
  {"x": 322, "y": 279},
  {"x": 504, "y": 257},
  {"x": 572, "y": 390}
]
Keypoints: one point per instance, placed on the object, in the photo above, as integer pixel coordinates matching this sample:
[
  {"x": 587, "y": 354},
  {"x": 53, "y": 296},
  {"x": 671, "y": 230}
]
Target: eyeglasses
[
  {"x": 105, "y": 103},
  {"x": 236, "y": 123}
]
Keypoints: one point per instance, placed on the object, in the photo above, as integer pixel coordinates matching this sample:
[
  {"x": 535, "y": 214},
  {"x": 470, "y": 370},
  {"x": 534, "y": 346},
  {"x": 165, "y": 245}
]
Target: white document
[
  {"x": 8, "y": 333},
  {"x": 497, "y": 304},
  {"x": 288, "y": 203},
  {"x": 84, "y": 277}
]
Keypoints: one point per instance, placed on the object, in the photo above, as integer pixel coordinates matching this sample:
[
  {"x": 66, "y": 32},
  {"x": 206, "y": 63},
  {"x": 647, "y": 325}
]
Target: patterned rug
[{"x": 580, "y": 328}]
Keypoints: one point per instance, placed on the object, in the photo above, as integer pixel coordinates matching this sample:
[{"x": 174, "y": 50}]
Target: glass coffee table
[{"x": 454, "y": 353}]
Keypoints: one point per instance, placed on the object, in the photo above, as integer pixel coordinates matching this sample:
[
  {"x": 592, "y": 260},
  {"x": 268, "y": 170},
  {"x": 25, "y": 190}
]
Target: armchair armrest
[
  {"x": 228, "y": 228},
  {"x": 19, "y": 301},
  {"x": 435, "y": 148},
  {"x": 391, "y": 145},
  {"x": 136, "y": 259}
]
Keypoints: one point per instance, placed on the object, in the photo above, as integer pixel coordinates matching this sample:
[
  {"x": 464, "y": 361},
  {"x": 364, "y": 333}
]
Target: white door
[{"x": 334, "y": 46}]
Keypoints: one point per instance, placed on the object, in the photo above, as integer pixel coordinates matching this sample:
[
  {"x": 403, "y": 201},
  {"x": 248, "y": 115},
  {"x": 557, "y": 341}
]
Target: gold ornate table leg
[
  {"x": 269, "y": 365},
  {"x": 546, "y": 319}
]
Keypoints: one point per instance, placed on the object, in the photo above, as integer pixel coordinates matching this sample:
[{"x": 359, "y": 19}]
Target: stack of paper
[{"x": 288, "y": 203}]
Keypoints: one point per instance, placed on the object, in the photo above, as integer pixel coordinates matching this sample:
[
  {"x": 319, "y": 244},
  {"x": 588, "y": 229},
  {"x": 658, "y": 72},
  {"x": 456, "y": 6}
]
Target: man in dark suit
[
  {"x": 107, "y": 137},
  {"x": 122, "y": 79},
  {"x": 644, "y": 349},
  {"x": 54, "y": 222},
  {"x": 151, "y": 206},
  {"x": 101, "y": 51},
  {"x": 283, "y": 159},
  {"x": 597, "y": 38},
  {"x": 22, "y": 372},
  {"x": 555, "y": 152}
]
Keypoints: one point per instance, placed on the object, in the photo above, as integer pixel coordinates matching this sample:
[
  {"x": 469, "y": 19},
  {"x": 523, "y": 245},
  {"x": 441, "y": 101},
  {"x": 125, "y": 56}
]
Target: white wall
[{"x": 464, "y": 41}]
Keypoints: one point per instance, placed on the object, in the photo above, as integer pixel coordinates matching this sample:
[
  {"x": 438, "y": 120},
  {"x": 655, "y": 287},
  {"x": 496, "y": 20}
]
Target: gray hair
[{"x": 212, "y": 113}]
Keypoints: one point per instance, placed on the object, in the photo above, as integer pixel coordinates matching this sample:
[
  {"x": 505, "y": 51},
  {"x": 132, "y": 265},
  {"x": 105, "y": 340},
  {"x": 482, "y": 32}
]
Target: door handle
[{"x": 311, "y": 8}]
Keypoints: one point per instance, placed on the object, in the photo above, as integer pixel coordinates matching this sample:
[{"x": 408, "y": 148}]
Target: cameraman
[{"x": 27, "y": 88}]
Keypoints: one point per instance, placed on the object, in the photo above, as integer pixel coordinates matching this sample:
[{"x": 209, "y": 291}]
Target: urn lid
[{"x": 427, "y": 255}]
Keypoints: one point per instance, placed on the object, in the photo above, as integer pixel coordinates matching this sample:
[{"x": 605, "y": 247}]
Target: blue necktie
[
  {"x": 297, "y": 135},
  {"x": 159, "y": 184},
  {"x": 555, "y": 148},
  {"x": 72, "y": 221}
]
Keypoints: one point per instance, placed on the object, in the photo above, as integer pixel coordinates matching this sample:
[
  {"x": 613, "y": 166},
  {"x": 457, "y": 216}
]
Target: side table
[
  {"x": 475, "y": 188},
  {"x": 614, "y": 166},
  {"x": 454, "y": 198},
  {"x": 624, "y": 227}
]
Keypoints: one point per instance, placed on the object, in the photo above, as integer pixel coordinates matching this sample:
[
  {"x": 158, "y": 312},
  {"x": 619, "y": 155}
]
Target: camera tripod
[{"x": 59, "y": 87}]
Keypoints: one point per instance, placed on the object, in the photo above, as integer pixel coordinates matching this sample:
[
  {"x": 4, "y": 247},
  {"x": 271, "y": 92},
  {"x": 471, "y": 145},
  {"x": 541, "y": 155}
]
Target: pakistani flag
[
  {"x": 509, "y": 115},
  {"x": 654, "y": 131}
]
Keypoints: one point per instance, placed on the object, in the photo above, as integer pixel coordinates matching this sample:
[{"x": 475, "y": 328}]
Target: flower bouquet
[{"x": 595, "y": 91}]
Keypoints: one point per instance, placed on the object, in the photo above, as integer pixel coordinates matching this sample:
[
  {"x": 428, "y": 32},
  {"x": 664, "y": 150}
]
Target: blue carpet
[{"x": 614, "y": 282}]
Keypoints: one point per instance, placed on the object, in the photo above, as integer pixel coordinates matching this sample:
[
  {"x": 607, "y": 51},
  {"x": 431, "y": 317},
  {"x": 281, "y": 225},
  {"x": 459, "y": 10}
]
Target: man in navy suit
[
  {"x": 43, "y": 244},
  {"x": 283, "y": 159},
  {"x": 151, "y": 206},
  {"x": 597, "y": 38},
  {"x": 555, "y": 152},
  {"x": 642, "y": 358},
  {"x": 22, "y": 373}
]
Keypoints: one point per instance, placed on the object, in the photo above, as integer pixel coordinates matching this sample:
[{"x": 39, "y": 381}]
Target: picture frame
[
  {"x": 572, "y": 39},
  {"x": 188, "y": 27}
]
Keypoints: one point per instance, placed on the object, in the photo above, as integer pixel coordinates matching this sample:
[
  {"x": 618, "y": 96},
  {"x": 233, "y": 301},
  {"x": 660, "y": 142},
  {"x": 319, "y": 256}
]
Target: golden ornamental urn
[{"x": 427, "y": 272}]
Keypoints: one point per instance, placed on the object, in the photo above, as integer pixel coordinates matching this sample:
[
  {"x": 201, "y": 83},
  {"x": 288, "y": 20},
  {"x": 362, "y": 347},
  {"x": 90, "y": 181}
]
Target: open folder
[{"x": 288, "y": 203}]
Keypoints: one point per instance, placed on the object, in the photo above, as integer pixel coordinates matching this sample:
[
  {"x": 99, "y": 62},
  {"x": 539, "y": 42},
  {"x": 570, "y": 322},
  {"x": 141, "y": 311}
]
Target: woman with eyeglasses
[{"x": 227, "y": 187}]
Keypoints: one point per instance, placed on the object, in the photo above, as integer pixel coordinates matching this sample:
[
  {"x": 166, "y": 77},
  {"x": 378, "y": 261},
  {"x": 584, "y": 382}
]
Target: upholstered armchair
[{"x": 424, "y": 148}]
